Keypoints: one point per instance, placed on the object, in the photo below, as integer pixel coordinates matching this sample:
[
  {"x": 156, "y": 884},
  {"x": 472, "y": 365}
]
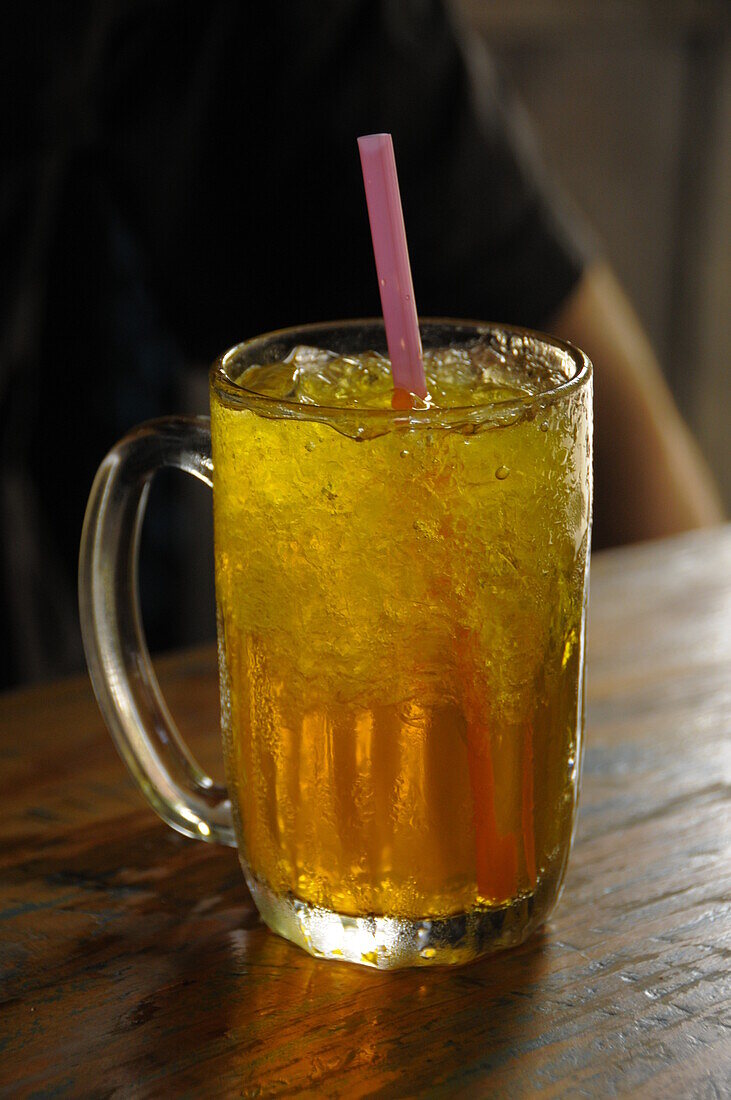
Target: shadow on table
[
  {"x": 181, "y": 986},
  {"x": 270, "y": 1016}
]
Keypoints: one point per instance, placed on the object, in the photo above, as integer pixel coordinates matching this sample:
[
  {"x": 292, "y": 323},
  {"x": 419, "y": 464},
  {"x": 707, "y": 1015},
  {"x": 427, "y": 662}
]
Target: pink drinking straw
[{"x": 392, "y": 262}]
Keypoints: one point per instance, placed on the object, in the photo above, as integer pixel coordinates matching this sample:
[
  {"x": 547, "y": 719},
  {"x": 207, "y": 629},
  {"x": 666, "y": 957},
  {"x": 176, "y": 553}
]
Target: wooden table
[{"x": 133, "y": 962}]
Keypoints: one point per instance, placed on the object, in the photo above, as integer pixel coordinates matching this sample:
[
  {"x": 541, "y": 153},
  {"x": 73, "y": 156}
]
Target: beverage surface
[
  {"x": 400, "y": 622},
  {"x": 455, "y": 377}
]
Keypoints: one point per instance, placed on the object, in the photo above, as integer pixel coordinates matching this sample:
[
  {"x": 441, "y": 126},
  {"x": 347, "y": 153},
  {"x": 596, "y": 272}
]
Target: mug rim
[{"x": 233, "y": 394}]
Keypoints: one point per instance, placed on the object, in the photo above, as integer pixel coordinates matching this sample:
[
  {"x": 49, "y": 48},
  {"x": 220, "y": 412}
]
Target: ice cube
[
  {"x": 304, "y": 357},
  {"x": 357, "y": 382}
]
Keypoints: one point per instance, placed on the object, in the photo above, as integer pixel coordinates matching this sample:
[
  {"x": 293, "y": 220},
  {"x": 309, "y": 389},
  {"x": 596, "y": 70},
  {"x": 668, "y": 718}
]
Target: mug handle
[{"x": 119, "y": 663}]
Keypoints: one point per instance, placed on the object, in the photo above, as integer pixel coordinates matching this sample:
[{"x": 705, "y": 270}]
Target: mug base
[{"x": 391, "y": 943}]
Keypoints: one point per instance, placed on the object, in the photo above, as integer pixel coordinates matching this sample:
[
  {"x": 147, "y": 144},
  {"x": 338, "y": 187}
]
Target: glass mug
[{"x": 401, "y": 602}]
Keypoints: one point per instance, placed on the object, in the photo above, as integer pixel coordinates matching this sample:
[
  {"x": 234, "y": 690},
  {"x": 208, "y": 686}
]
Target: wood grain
[{"x": 133, "y": 963}]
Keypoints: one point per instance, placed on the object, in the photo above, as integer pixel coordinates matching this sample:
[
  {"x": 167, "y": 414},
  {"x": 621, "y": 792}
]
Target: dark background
[{"x": 632, "y": 103}]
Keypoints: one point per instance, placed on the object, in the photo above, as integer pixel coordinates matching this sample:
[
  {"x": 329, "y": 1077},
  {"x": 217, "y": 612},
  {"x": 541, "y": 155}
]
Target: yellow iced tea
[{"x": 401, "y": 600}]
